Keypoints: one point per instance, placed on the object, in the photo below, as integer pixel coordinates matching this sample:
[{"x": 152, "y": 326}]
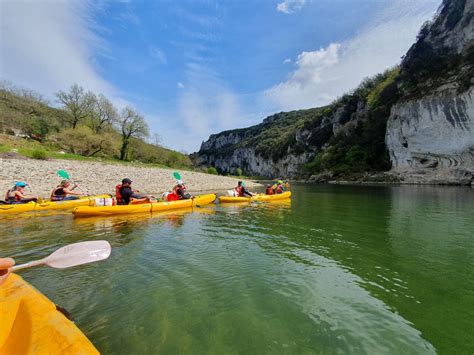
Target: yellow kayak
[
  {"x": 87, "y": 211},
  {"x": 49, "y": 205},
  {"x": 31, "y": 324},
  {"x": 259, "y": 197}
]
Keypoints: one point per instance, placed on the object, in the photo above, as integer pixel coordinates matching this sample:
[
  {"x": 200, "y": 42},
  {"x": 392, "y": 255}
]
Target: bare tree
[
  {"x": 104, "y": 114},
  {"x": 156, "y": 140},
  {"x": 78, "y": 103},
  {"x": 132, "y": 125}
]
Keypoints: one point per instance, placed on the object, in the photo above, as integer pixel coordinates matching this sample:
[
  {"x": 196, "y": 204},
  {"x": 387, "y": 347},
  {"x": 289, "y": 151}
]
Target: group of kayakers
[
  {"x": 125, "y": 194},
  {"x": 17, "y": 194}
]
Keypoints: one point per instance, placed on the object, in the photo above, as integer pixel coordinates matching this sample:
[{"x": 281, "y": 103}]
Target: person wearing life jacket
[
  {"x": 126, "y": 195},
  {"x": 62, "y": 192},
  {"x": 5, "y": 268},
  {"x": 241, "y": 190},
  {"x": 17, "y": 194},
  {"x": 279, "y": 187},
  {"x": 179, "y": 192},
  {"x": 269, "y": 190}
]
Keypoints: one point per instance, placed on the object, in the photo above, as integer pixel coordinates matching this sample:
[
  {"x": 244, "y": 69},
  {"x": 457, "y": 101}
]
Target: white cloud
[
  {"x": 158, "y": 54},
  {"x": 49, "y": 45},
  {"x": 180, "y": 85},
  {"x": 290, "y": 6},
  {"x": 287, "y": 61},
  {"x": 324, "y": 74}
]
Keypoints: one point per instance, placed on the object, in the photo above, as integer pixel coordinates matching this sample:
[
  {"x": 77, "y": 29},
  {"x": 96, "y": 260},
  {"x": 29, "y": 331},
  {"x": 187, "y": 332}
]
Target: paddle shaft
[{"x": 28, "y": 265}]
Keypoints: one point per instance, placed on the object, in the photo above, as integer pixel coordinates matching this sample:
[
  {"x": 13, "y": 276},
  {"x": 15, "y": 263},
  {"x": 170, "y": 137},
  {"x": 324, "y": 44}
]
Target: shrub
[
  {"x": 238, "y": 171},
  {"x": 39, "y": 154},
  {"x": 212, "y": 170}
]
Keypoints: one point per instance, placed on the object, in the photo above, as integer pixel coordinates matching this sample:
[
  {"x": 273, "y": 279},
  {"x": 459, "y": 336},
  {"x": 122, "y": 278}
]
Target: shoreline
[{"x": 101, "y": 178}]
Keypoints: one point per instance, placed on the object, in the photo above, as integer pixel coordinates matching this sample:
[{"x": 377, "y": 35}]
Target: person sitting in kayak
[
  {"x": 17, "y": 194},
  {"x": 126, "y": 195},
  {"x": 61, "y": 192},
  {"x": 279, "y": 189},
  {"x": 179, "y": 192},
  {"x": 269, "y": 190},
  {"x": 241, "y": 190}
]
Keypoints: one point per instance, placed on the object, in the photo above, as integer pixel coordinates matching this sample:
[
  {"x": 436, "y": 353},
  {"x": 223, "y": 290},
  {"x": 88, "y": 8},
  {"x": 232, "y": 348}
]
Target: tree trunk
[{"x": 123, "y": 151}]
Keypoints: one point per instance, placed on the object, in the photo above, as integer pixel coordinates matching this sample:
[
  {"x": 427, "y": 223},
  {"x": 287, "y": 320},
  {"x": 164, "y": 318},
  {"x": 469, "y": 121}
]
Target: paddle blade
[
  {"x": 79, "y": 253},
  {"x": 177, "y": 175},
  {"x": 63, "y": 174}
]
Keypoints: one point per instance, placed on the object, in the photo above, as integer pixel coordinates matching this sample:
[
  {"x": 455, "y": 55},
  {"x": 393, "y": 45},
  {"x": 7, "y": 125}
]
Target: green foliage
[
  {"x": 87, "y": 126},
  {"x": 39, "y": 154},
  {"x": 238, "y": 171},
  {"x": 373, "y": 97},
  {"x": 212, "y": 170},
  {"x": 83, "y": 141}
]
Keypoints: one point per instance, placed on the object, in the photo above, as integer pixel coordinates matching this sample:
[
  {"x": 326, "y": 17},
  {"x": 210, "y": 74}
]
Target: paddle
[
  {"x": 72, "y": 255},
  {"x": 177, "y": 175},
  {"x": 64, "y": 174}
]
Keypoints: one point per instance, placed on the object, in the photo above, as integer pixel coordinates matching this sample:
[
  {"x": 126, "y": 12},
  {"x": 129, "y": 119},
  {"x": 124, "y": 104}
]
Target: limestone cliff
[
  {"x": 431, "y": 129},
  {"x": 415, "y": 120}
]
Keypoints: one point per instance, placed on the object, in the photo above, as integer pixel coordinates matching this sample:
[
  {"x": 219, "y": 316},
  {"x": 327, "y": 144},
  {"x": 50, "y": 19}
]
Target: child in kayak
[
  {"x": 61, "y": 192},
  {"x": 241, "y": 190},
  {"x": 179, "y": 192},
  {"x": 17, "y": 194}
]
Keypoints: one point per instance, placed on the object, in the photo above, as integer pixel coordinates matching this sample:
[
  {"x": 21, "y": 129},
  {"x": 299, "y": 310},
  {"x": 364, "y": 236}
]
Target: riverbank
[{"x": 99, "y": 177}]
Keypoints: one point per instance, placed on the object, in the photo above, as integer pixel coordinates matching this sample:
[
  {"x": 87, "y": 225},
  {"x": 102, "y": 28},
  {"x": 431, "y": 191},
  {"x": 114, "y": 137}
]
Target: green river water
[{"x": 340, "y": 269}]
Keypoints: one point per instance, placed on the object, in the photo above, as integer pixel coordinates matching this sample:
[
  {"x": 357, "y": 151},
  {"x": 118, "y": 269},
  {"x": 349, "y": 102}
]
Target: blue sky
[{"x": 193, "y": 68}]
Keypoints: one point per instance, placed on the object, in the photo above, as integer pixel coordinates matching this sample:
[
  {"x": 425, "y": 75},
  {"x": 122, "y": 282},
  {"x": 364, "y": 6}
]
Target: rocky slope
[
  {"x": 431, "y": 129},
  {"x": 416, "y": 120}
]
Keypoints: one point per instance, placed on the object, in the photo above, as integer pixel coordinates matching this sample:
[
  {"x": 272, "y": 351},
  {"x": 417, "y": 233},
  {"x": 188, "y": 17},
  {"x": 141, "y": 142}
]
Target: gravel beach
[{"x": 98, "y": 177}]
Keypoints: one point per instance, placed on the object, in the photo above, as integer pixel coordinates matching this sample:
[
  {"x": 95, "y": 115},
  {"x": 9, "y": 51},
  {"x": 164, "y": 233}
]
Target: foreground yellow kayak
[
  {"x": 50, "y": 205},
  {"x": 30, "y": 323},
  {"x": 260, "y": 197},
  {"x": 86, "y": 211}
]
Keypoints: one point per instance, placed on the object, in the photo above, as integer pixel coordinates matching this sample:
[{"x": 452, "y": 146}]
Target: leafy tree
[
  {"x": 78, "y": 103},
  {"x": 84, "y": 141},
  {"x": 103, "y": 114},
  {"x": 131, "y": 125}
]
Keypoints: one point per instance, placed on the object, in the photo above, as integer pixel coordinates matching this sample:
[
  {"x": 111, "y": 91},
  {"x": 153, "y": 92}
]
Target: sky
[{"x": 193, "y": 68}]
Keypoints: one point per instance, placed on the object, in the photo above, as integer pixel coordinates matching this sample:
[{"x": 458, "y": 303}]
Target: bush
[
  {"x": 39, "y": 154},
  {"x": 238, "y": 171},
  {"x": 212, "y": 170}
]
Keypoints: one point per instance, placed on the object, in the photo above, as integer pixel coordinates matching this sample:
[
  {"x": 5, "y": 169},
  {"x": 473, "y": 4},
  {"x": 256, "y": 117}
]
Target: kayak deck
[
  {"x": 259, "y": 197},
  {"x": 87, "y": 211},
  {"x": 49, "y": 205},
  {"x": 31, "y": 324}
]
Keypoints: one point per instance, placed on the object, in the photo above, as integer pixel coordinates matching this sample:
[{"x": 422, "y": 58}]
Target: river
[{"x": 340, "y": 269}]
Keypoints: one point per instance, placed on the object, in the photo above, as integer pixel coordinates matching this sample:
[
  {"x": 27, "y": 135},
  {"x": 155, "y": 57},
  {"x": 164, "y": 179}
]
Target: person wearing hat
[
  {"x": 61, "y": 192},
  {"x": 17, "y": 194},
  {"x": 280, "y": 188},
  {"x": 126, "y": 195}
]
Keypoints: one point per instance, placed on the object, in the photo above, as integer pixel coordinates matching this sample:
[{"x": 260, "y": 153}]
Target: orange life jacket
[
  {"x": 269, "y": 191},
  {"x": 239, "y": 190},
  {"x": 118, "y": 196}
]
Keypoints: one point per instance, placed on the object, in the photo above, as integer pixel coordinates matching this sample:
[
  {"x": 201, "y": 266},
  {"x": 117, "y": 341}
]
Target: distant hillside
[
  {"x": 25, "y": 116},
  {"x": 415, "y": 121}
]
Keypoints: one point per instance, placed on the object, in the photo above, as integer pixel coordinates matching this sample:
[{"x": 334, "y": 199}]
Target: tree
[
  {"x": 103, "y": 115},
  {"x": 78, "y": 103},
  {"x": 132, "y": 125}
]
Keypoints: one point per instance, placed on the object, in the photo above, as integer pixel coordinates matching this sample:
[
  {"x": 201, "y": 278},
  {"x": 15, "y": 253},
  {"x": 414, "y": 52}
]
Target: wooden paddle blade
[{"x": 79, "y": 253}]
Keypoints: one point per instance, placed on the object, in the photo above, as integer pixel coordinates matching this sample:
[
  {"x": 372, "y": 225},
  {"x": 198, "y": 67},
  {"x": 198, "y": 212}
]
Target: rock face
[
  {"x": 419, "y": 119},
  {"x": 432, "y": 126}
]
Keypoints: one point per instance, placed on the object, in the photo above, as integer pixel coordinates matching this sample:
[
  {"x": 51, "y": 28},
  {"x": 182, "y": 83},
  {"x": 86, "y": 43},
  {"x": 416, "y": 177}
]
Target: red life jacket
[
  {"x": 239, "y": 190},
  {"x": 176, "y": 191},
  {"x": 11, "y": 199},
  {"x": 172, "y": 196},
  {"x": 279, "y": 189},
  {"x": 269, "y": 191},
  {"x": 118, "y": 196}
]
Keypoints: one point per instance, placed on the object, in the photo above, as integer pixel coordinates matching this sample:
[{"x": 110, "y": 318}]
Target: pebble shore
[{"x": 98, "y": 178}]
